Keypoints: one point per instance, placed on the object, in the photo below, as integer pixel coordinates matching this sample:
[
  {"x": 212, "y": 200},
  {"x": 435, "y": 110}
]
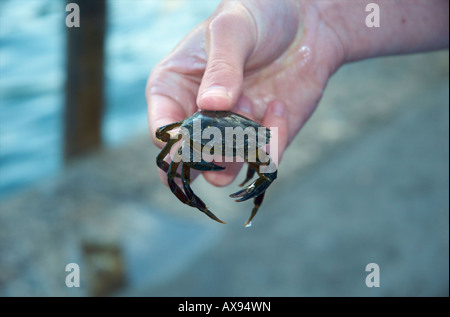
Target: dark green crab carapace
[{"x": 191, "y": 133}]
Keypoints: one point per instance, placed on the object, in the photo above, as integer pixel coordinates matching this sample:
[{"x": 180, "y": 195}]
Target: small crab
[{"x": 195, "y": 143}]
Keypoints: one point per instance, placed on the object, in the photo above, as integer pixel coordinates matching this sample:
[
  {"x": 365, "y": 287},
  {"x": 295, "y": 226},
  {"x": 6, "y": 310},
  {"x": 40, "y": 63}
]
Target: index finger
[
  {"x": 172, "y": 87},
  {"x": 162, "y": 110}
]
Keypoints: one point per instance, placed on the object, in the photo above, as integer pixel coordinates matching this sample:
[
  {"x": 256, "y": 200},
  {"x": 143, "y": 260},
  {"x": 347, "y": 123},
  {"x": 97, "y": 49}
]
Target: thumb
[{"x": 230, "y": 39}]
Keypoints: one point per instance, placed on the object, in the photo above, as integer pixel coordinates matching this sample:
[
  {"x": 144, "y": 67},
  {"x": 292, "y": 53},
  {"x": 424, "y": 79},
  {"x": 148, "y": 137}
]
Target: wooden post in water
[{"x": 84, "y": 83}]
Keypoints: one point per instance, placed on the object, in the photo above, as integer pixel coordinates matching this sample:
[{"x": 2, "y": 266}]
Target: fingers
[
  {"x": 172, "y": 87},
  {"x": 162, "y": 110},
  {"x": 225, "y": 177},
  {"x": 230, "y": 39}
]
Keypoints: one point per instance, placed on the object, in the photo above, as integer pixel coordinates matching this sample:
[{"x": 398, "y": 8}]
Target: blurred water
[{"x": 32, "y": 57}]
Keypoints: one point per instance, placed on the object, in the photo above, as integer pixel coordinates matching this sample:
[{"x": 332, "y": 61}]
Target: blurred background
[{"x": 366, "y": 181}]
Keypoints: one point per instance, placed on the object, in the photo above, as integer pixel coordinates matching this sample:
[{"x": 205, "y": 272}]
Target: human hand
[{"x": 268, "y": 61}]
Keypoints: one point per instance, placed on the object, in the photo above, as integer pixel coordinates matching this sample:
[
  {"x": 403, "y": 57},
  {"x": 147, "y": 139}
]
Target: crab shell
[
  {"x": 226, "y": 123},
  {"x": 254, "y": 135}
]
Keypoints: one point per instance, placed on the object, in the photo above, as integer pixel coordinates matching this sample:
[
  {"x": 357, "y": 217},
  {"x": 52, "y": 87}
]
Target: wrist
[
  {"x": 342, "y": 19},
  {"x": 404, "y": 26},
  {"x": 317, "y": 32}
]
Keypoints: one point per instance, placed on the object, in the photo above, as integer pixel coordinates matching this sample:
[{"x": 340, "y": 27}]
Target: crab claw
[
  {"x": 256, "y": 188},
  {"x": 206, "y": 166},
  {"x": 199, "y": 163}
]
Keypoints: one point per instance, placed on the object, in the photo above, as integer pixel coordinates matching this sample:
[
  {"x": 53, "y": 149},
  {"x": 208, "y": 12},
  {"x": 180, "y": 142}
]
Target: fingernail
[
  {"x": 278, "y": 108},
  {"x": 216, "y": 91},
  {"x": 245, "y": 105}
]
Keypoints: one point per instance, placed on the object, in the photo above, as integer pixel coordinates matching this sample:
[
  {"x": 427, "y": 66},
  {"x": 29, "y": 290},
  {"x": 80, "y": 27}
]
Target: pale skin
[{"x": 271, "y": 60}]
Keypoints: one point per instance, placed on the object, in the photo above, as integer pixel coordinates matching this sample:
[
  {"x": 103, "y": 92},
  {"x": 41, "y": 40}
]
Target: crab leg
[
  {"x": 250, "y": 173},
  {"x": 166, "y": 149},
  {"x": 193, "y": 199},
  {"x": 257, "y": 202},
  {"x": 171, "y": 173},
  {"x": 258, "y": 186},
  {"x": 162, "y": 133}
]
